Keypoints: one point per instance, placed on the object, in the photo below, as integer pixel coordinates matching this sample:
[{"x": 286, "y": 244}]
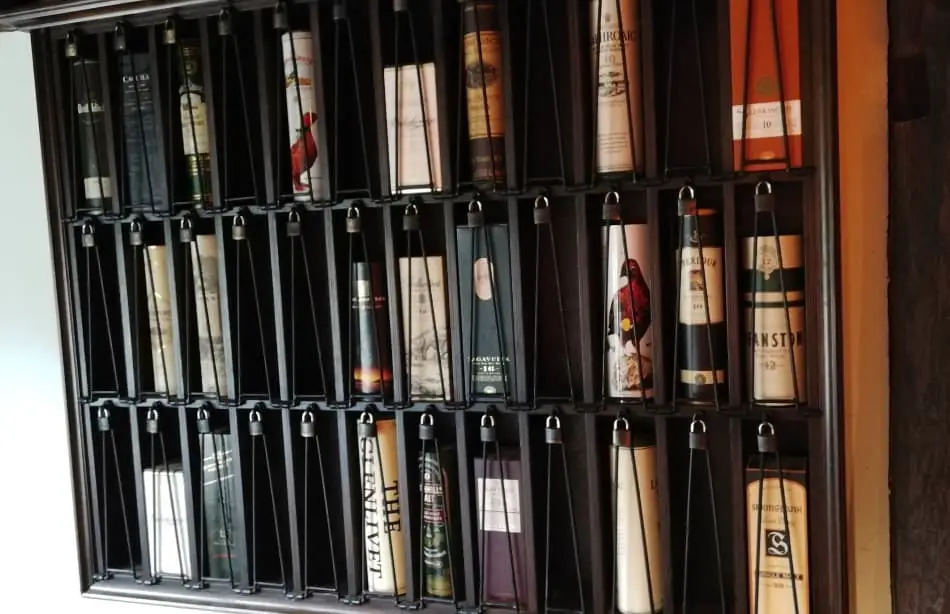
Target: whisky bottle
[
  {"x": 144, "y": 163},
  {"x": 772, "y": 339},
  {"x": 307, "y": 177},
  {"x": 702, "y": 365},
  {"x": 412, "y": 121},
  {"x": 372, "y": 373},
  {"x": 93, "y": 147},
  {"x": 484, "y": 92},
  {"x": 637, "y": 530},
  {"x": 194, "y": 124},
  {"x": 615, "y": 58}
]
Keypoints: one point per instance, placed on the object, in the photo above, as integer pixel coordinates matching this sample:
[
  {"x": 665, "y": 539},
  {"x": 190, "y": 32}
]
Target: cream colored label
[
  {"x": 194, "y": 122},
  {"x": 418, "y": 131},
  {"x": 204, "y": 254},
  {"x": 632, "y": 551},
  {"x": 382, "y": 514},
  {"x": 425, "y": 326},
  {"x": 97, "y": 187},
  {"x": 701, "y": 378},
  {"x": 692, "y": 282},
  {"x": 159, "y": 304},
  {"x": 764, "y": 119},
  {"x": 774, "y": 345},
  {"x": 483, "y": 84},
  {"x": 628, "y": 312},
  {"x": 302, "y": 115},
  {"x": 615, "y": 57},
  {"x": 498, "y": 501},
  {"x": 777, "y": 546}
]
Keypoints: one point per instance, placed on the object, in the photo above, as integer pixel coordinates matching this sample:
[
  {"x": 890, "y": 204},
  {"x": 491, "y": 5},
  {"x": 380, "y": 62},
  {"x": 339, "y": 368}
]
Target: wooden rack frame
[{"x": 575, "y": 202}]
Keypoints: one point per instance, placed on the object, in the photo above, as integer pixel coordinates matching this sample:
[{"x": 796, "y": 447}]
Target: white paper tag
[
  {"x": 495, "y": 507},
  {"x": 764, "y": 119}
]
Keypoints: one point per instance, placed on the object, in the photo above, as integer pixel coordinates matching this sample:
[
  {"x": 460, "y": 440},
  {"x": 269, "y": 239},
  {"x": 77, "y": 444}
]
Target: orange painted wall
[{"x": 862, "y": 117}]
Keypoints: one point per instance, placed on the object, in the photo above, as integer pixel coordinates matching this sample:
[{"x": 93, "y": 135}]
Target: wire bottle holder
[
  {"x": 186, "y": 237},
  {"x": 764, "y": 200},
  {"x": 707, "y": 166},
  {"x": 106, "y": 444},
  {"x": 205, "y": 434},
  {"x": 554, "y": 440},
  {"x": 308, "y": 432},
  {"x": 401, "y": 7},
  {"x": 155, "y": 433},
  {"x": 92, "y": 259},
  {"x": 138, "y": 246},
  {"x": 476, "y": 220},
  {"x": 369, "y": 445},
  {"x": 611, "y": 216},
  {"x": 357, "y": 238},
  {"x": 768, "y": 445},
  {"x": 175, "y": 56},
  {"x": 489, "y": 438},
  {"x": 256, "y": 429},
  {"x": 298, "y": 244},
  {"x": 432, "y": 476},
  {"x": 239, "y": 233},
  {"x": 687, "y": 207},
  {"x": 543, "y": 219},
  {"x": 413, "y": 231},
  {"x": 699, "y": 445},
  {"x": 561, "y": 179},
  {"x": 623, "y": 438},
  {"x": 626, "y": 71}
]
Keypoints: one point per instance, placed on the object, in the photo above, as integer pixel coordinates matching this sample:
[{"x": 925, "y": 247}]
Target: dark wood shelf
[{"x": 287, "y": 352}]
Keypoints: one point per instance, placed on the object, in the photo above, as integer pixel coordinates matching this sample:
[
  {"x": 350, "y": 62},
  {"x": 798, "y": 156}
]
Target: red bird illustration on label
[
  {"x": 630, "y": 308},
  {"x": 303, "y": 153},
  {"x": 628, "y": 324}
]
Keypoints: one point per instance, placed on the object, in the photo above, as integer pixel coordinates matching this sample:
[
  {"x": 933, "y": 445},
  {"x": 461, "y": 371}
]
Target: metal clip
[
  {"x": 698, "y": 439},
  {"x": 366, "y": 427},
  {"x": 621, "y": 437},
  {"x": 119, "y": 38},
  {"x": 410, "y": 218},
  {"x": 610, "y": 210},
  {"x": 169, "y": 32},
  {"x": 767, "y": 443},
  {"x": 488, "y": 429},
  {"x": 307, "y": 428},
  {"x": 293, "y": 223},
  {"x": 280, "y": 16},
  {"x": 339, "y": 11},
  {"x": 764, "y": 201},
  {"x": 102, "y": 418},
  {"x": 88, "y": 235},
  {"x": 135, "y": 233},
  {"x": 238, "y": 228},
  {"x": 256, "y": 426},
  {"x": 204, "y": 424},
  {"x": 552, "y": 430},
  {"x": 542, "y": 210},
  {"x": 426, "y": 427},
  {"x": 72, "y": 48},
  {"x": 185, "y": 232},
  {"x": 353, "y": 222},
  {"x": 475, "y": 215},
  {"x": 151, "y": 422},
  {"x": 686, "y": 205},
  {"x": 224, "y": 22}
]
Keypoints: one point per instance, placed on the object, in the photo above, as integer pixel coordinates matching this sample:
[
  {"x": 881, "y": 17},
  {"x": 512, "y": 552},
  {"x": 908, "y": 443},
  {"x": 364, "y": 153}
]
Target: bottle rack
[{"x": 284, "y": 286}]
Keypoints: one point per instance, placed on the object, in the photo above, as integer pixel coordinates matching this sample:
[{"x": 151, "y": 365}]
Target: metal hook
[
  {"x": 255, "y": 416},
  {"x": 770, "y": 427},
  {"x": 541, "y": 202},
  {"x": 687, "y": 188},
  {"x": 488, "y": 421},
  {"x": 294, "y": 215},
  {"x": 697, "y": 422},
  {"x": 552, "y": 422},
  {"x": 766, "y": 184},
  {"x": 152, "y": 414},
  {"x": 424, "y": 422},
  {"x": 366, "y": 418},
  {"x": 306, "y": 417},
  {"x": 353, "y": 212},
  {"x": 474, "y": 205},
  {"x": 411, "y": 209},
  {"x": 202, "y": 413},
  {"x": 612, "y": 198},
  {"x": 624, "y": 422},
  {"x": 103, "y": 413}
]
